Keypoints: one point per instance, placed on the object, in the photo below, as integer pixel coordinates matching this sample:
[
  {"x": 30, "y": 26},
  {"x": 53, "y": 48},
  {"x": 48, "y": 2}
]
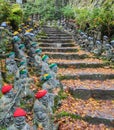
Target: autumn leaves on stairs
[{"x": 88, "y": 83}]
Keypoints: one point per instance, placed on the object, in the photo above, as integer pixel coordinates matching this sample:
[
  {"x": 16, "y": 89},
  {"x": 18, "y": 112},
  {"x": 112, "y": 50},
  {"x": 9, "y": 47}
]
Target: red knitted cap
[
  {"x": 41, "y": 93},
  {"x": 6, "y": 88},
  {"x": 19, "y": 112}
]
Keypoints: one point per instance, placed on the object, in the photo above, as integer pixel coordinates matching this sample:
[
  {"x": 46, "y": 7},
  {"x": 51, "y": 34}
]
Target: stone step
[
  {"x": 68, "y": 56},
  {"x": 59, "y": 49},
  {"x": 78, "y": 124},
  {"x": 54, "y": 31},
  {"x": 86, "y": 73},
  {"x": 55, "y": 40},
  {"x": 56, "y": 45},
  {"x": 86, "y": 89},
  {"x": 85, "y": 63},
  {"x": 84, "y": 93},
  {"x": 91, "y": 110},
  {"x": 60, "y": 34}
]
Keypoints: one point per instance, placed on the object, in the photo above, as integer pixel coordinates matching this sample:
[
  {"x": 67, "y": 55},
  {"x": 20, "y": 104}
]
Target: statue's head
[
  {"x": 11, "y": 55},
  {"x": 21, "y": 46},
  {"x": 34, "y": 45},
  {"x": 45, "y": 58},
  {"x": 84, "y": 36},
  {"x": 24, "y": 73},
  {"x": 90, "y": 38},
  {"x": 16, "y": 39},
  {"x": 19, "y": 118},
  {"x": 42, "y": 96},
  {"x": 105, "y": 38},
  {"x": 38, "y": 51},
  {"x": 53, "y": 67}
]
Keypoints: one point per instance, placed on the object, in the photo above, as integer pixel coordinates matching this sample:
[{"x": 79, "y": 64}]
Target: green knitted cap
[
  {"x": 22, "y": 63},
  {"x": 52, "y": 65},
  {"x": 45, "y": 57},
  {"x": 38, "y": 50},
  {"x": 33, "y": 43},
  {"x": 46, "y": 77},
  {"x": 10, "y": 54},
  {"x": 21, "y": 46},
  {"x": 23, "y": 72}
]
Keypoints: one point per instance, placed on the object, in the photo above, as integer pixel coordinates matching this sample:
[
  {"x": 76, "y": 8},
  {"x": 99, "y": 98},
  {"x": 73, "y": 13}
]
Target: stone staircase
[{"x": 89, "y": 80}]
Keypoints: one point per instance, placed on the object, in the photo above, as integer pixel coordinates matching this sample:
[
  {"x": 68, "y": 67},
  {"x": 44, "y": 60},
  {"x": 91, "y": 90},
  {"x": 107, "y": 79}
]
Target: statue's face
[
  {"x": 40, "y": 113},
  {"x": 12, "y": 56},
  {"x": 19, "y": 119},
  {"x": 46, "y": 60},
  {"x": 44, "y": 99},
  {"x": 10, "y": 94},
  {"x": 19, "y": 122},
  {"x": 51, "y": 81},
  {"x": 39, "y": 53},
  {"x": 55, "y": 69},
  {"x": 24, "y": 76}
]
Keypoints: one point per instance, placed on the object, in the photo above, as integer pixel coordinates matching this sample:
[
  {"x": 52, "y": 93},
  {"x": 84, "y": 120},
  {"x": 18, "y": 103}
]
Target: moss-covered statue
[
  {"x": 47, "y": 99},
  {"x": 49, "y": 83},
  {"x": 38, "y": 60},
  {"x": 24, "y": 82},
  {"x": 42, "y": 117},
  {"x": 5, "y": 103},
  {"x": 11, "y": 64},
  {"x": 45, "y": 67},
  {"x": 20, "y": 121},
  {"x": 98, "y": 49}
]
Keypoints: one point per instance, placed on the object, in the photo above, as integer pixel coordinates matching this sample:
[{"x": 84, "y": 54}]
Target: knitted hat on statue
[
  {"x": 38, "y": 51},
  {"x": 44, "y": 57},
  {"x": 46, "y": 77},
  {"x": 52, "y": 65},
  {"x": 19, "y": 112},
  {"x": 6, "y": 88},
  {"x": 40, "y": 94}
]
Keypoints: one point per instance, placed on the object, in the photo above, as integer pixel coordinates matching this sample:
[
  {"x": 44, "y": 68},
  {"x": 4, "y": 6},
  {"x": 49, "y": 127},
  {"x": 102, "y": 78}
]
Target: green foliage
[
  {"x": 16, "y": 15},
  {"x": 68, "y": 11},
  {"x": 5, "y": 10},
  {"x": 66, "y": 114},
  {"x": 101, "y": 17},
  {"x": 11, "y": 12}
]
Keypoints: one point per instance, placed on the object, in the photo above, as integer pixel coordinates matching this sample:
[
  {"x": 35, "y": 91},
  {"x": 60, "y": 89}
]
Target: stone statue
[
  {"x": 42, "y": 117},
  {"x": 84, "y": 41},
  {"x": 112, "y": 43},
  {"x": 53, "y": 67},
  {"x": 98, "y": 49},
  {"x": 91, "y": 44},
  {"x": 109, "y": 52},
  {"x": 21, "y": 50},
  {"x": 49, "y": 83},
  {"x": 20, "y": 121},
  {"x": 5, "y": 104},
  {"x": 31, "y": 52},
  {"x": 16, "y": 42},
  {"x": 47, "y": 99},
  {"x": 105, "y": 41},
  {"x": 45, "y": 67},
  {"x": 24, "y": 82},
  {"x": 11, "y": 63},
  {"x": 38, "y": 60}
]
